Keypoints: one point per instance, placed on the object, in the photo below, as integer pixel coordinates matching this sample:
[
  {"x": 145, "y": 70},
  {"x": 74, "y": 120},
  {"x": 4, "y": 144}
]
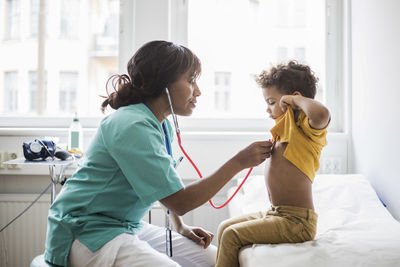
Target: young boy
[{"x": 299, "y": 136}]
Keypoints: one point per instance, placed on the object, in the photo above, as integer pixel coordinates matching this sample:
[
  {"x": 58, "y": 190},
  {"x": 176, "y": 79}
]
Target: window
[
  {"x": 80, "y": 50},
  {"x": 290, "y": 13},
  {"x": 11, "y": 88},
  {"x": 33, "y": 91},
  {"x": 222, "y": 83},
  {"x": 238, "y": 39},
  {"x": 68, "y": 91},
  {"x": 69, "y": 19},
  {"x": 244, "y": 46},
  {"x": 281, "y": 54},
  {"x": 34, "y": 17},
  {"x": 13, "y": 19},
  {"x": 300, "y": 54}
]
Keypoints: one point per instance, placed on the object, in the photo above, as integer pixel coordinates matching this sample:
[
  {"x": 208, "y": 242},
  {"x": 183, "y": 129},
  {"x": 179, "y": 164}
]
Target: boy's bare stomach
[{"x": 286, "y": 184}]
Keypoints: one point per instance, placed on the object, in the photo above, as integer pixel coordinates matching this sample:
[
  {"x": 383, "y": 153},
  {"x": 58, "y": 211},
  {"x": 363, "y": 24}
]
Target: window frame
[{"x": 170, "y": 23}]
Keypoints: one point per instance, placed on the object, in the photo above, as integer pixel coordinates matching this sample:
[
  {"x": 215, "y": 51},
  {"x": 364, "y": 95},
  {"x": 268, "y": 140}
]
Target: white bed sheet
[{"x": 354, "y": 228}]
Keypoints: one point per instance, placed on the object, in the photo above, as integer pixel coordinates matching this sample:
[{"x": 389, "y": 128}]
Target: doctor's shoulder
[
  {"x": 122, "y": 116},
  {"x": 129, "y": 119}
]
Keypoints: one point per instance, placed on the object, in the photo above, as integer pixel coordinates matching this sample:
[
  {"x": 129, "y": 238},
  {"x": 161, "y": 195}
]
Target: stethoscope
[
  {"x": 178, "y": 135},
  {"x": 168, "y": 236}
]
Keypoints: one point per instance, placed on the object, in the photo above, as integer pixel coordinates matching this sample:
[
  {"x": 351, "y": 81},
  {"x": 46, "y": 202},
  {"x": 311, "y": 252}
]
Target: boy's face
[{"x": 272, "y": 96}]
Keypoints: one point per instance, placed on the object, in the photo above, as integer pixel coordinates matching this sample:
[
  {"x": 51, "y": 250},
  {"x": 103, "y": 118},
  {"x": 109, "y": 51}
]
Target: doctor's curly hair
[
  {"x": 289, "y": 78},
  {"x": 152, "y": 68}
]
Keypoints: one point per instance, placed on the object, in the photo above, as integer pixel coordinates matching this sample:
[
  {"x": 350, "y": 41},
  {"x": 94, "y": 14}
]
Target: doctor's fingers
[
  {"x": 264, "y": 144},
  {"x": 209, "y": 239},
  {"x": 261, "y": 152},
  {"x": 196, "y": 238},
  {"x": 264, "y": 149},
  {"x": 206, "y": 236},
  {"x": 267, "y": 155},
  {"x": 263, "y": 157}
]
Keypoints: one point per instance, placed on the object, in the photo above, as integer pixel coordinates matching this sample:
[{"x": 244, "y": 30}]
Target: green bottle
[{"x": 75, "y": 134}]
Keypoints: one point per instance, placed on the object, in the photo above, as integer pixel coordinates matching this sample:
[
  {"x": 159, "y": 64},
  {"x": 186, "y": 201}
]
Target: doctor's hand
[
  {"x": 196, "y": 234},
  {"x": 254, "y": 154}
]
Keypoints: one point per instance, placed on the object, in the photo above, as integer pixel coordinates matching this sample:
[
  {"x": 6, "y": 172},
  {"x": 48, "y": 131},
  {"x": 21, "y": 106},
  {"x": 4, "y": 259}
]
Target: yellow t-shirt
[{"x": 304, "y": 144}]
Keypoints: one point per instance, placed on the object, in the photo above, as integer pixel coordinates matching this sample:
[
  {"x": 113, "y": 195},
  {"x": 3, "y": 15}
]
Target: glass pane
[
  {"x": 68, "y": 89},
  {"x": 13, "y": 19},
  {"x": 11, "y": 91},
  {"x": 33, "y": 91},
  {"x": 34, "y": 17},
  {"x": 80, "y": 53},
  {"x": 240, "y": 38}
]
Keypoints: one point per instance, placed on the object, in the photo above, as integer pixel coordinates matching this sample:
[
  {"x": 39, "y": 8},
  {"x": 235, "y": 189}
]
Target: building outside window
[
  {"x": 86, "y": 45},
  {"x": 68, "y": 91},
  {"x": 290, "y": 13},
  {"x": 69, "y": 19},
  {"x": 11, "y": 91},
  {"x": 33, "y": 90},
  {"x": 13, "y": 19},
  {"x": 299, "y": 53},
  {"x": 222, "y": 84},
  {"x": 34, "y": 17},
  {"x": 281, "y": 54}
]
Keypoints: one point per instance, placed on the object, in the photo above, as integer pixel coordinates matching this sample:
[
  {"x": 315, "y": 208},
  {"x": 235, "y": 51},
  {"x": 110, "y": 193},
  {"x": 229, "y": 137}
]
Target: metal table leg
[
  {"x": 55, "y": 180},
  {"x": 149, "y": 216}
]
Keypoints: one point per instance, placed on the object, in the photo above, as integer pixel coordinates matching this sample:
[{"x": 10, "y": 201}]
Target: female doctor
[{"x": 96, "y": 218}]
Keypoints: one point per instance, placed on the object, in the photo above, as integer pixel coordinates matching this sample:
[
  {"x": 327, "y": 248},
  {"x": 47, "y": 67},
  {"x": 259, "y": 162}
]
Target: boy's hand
[{"x": 288, "y": 100}]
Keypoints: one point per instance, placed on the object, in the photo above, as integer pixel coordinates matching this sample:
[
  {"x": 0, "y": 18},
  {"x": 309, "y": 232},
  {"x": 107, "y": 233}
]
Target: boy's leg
[
  {"x": 184, "y": 251},
  {"x": 247, "y": 217},
  {"x": 265, "y": 230}
]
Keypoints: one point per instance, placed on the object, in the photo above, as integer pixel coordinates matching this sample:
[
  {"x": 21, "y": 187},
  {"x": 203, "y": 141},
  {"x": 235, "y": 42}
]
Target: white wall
[{"x": 376, "y": 96}]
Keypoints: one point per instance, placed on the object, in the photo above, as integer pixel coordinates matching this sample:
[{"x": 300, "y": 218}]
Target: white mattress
[{"x": 354, "y": 228}]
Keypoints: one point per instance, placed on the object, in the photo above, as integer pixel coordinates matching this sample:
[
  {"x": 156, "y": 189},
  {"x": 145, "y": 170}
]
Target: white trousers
[{"x": 146, "y": 248}]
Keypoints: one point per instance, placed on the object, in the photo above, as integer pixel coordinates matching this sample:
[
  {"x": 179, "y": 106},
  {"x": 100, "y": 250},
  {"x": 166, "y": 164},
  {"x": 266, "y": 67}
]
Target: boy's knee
[
  {"x": 222, "y": 226},
  {"x": 230, "y": 235}
]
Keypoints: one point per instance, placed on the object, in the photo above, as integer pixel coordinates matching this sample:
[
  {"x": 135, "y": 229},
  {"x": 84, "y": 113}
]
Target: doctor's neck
[{"x": 160, "y": 108}]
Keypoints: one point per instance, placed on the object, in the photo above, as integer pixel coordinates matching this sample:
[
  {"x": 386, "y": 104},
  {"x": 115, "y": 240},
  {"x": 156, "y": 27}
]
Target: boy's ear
[{"x": 297, "y": 93}]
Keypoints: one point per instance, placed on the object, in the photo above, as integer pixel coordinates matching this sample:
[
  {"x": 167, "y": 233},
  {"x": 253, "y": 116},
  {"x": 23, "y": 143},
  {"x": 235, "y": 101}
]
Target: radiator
[{"x": 24, "y": 239}]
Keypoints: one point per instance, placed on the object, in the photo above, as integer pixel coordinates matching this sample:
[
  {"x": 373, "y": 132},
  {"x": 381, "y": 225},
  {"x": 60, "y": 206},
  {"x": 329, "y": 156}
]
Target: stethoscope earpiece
[{"x": 172, "y": 112}]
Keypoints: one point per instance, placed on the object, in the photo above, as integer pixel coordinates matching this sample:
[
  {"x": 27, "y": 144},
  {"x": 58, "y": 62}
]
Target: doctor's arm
[
  {"x": 197, "y": 234},
  {"x": 197, "y": 193}
]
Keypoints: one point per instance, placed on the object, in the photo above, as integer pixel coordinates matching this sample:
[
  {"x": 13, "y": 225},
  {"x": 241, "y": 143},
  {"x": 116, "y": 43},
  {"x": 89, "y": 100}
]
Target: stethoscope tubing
[
  {"x": 201, "y": 176},
  {"x": 178, "y": 135}
]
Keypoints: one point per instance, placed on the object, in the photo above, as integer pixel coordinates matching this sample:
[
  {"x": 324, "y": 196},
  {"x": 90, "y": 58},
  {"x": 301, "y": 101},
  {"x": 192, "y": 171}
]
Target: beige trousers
[
  {"x": 281, "y": 224},
  {"x": 144, "y": 249}
]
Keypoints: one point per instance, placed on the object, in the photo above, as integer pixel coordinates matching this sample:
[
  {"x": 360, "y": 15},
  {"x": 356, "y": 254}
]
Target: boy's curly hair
[{"x": 289, "y": 78}]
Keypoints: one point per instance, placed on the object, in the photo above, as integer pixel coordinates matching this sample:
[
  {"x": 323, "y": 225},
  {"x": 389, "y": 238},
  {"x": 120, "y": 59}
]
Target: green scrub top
[{"x": 125, "y": 170}]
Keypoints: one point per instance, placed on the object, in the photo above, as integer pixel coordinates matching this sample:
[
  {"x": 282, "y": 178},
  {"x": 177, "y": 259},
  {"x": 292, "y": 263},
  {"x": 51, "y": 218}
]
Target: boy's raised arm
[{"x": 318, "y": 115}]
